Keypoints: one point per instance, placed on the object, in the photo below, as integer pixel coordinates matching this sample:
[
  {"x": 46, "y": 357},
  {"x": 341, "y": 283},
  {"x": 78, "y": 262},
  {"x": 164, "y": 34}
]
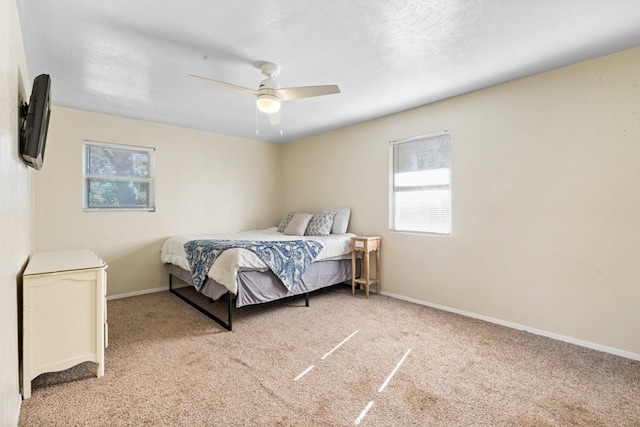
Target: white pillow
[
  {"x": 341, "y": 221},
  {"x": 298, "y": 224}
]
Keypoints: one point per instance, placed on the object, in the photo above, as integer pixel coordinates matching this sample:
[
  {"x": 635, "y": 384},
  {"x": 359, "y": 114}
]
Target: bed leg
[
  {"x": 229, "y": 309},
  {"x": 226, "y": 325},
  {"x": 306, "y": 299}
]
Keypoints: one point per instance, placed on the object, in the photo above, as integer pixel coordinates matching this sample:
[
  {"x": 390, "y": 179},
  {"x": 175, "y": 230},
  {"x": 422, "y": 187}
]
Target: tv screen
[{"x": 36, "y": 122}]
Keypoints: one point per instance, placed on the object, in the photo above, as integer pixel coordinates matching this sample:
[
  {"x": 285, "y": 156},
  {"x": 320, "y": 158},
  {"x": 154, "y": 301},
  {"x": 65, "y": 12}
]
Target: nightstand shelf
[{"x": 365, "y": 245}]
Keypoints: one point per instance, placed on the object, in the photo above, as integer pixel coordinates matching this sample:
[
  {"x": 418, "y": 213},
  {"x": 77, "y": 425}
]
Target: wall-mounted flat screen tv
[{"x": 35, "y": 125}]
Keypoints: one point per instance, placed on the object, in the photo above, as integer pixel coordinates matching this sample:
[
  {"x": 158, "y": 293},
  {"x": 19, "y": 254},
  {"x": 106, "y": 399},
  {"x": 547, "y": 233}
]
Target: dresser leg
[{"x": 26, "y": 389}]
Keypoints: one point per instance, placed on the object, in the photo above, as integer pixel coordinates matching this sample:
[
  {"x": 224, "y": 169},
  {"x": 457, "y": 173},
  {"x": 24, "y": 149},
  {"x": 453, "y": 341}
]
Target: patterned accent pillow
[
  {"x": 320, "y": 224},
  {"x": 285, "y": 221}
]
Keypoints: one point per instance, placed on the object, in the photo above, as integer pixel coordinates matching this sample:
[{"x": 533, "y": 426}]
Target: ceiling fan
[{"x": 270, "y": 95}]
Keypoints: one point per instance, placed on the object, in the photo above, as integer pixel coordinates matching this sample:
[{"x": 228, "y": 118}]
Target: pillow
[
  {"x": 285, "y": 222},
  {"x": 320, "y": 224},
  {"x": 341, "y": 221},
  {"x": 298, "y": 224}
]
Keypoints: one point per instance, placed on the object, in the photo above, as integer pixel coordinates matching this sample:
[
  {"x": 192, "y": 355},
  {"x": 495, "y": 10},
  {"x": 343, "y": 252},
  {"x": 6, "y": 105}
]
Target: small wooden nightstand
[{"x": 366, "y": 245}]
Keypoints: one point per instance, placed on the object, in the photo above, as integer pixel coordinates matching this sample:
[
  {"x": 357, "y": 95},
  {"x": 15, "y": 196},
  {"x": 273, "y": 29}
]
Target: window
[
  {"x": 118, "y": 177},
  {"x": 421, "y": 184}
]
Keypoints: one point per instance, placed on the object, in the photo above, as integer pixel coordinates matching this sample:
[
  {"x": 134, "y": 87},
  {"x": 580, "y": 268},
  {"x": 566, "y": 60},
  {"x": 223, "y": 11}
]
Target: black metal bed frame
[{"x": 230, "y": 298}]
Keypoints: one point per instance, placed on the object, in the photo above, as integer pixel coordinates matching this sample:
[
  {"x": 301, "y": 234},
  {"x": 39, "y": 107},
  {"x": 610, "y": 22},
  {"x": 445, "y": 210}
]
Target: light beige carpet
[{"x": 344, "y": 360}]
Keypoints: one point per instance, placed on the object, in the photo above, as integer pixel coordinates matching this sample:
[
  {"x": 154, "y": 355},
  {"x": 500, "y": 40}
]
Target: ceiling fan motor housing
[{"x": 268, "y": 86}]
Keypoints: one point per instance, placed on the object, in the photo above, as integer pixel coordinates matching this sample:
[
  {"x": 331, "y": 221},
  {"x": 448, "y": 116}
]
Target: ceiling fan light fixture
[{"x": 268, "y": 103}]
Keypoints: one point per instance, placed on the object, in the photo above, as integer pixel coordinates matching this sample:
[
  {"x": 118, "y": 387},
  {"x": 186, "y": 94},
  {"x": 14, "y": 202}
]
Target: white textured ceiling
[{"x": 131, "y": 58}]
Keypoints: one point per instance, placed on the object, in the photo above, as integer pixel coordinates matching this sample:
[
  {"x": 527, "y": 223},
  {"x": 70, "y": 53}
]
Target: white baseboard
[
  {"x": 136, "y": 293},
  {"x": 570, "y": 340},
  {"x": 146, "y": 291}
]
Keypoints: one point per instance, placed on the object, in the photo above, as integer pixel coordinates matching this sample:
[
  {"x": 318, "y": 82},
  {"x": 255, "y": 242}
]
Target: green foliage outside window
[{"x": 118, "y": 177}]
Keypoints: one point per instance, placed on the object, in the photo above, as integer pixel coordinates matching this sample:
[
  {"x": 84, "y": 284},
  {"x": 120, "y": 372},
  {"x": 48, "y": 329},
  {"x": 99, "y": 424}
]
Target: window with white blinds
[
  {"x": 421, "y": 184},
  {"x": 118, "y": 177}
]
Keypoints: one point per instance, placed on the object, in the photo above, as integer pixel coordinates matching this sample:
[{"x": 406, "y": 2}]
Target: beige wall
[
  {"x": 204, "y": 183},
  {"x": 546, "y": 206},
  {"x": 545, "y": 202},
  {"x": 15, "y": 206}
]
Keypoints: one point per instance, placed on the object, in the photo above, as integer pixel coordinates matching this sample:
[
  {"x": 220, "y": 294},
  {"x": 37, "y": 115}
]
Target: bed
[{"x": 244, "y": 269}]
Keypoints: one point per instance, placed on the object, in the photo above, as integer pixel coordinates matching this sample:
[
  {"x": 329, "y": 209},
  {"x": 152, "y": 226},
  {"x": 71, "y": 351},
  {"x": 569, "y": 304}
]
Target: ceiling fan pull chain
[
  {"x": 257, "y": 133},
  {"x": 280, "y": 113}
]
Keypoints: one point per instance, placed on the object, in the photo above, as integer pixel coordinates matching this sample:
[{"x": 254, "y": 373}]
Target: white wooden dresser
[{"x": 64, "y": 313}]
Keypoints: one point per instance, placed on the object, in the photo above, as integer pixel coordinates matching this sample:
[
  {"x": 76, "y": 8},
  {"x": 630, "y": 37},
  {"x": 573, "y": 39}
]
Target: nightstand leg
[
  {"x": 365, "y": 256},
  {"x": 353, "y": 272},
  {"x": 378, "y": 271}
]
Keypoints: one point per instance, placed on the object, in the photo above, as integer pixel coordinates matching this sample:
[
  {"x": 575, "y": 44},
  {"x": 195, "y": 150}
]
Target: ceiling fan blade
[
  {"x": 274, "y": 118},
  {"x": 232, "y": 86},
  {"x": 288, "y": 93}
]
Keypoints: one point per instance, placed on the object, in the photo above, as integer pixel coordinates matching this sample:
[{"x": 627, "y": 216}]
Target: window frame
[
  {"x": 150, "y": 179},
  {"x": 393, "y": 187}
]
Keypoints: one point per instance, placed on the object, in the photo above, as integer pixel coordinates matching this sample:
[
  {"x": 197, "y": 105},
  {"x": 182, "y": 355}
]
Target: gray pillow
[
  {"x": 320, "y": 224},
  {"x": 285, "y": 222},
  {"x": 298, "y": 224},
  {"x": 341, "y": 221}
]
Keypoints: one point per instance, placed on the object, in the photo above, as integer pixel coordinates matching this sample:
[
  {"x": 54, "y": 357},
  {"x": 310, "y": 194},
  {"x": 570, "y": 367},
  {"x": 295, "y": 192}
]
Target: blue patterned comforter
[{"x": 287, "y": 259}]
